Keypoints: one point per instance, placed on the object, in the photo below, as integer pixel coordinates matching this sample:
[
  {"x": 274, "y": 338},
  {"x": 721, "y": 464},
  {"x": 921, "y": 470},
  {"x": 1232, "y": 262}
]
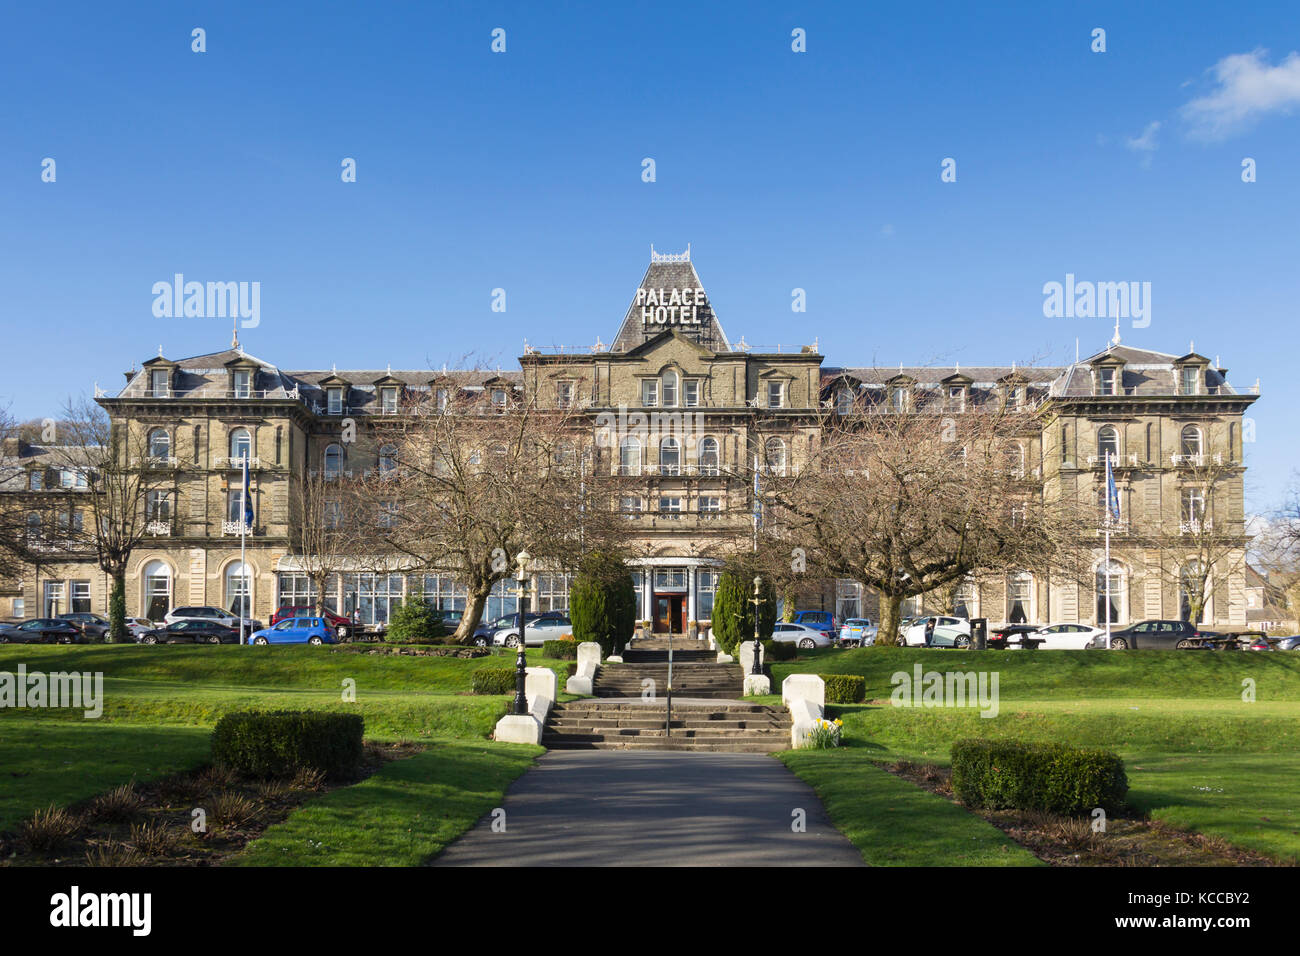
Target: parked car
[
  {"x": 41, "y": 630},
  {"x": 947, "y": 630},
  {"x": 482, "y": 636},
  {"x": 1008, "y": 634},
  {"x": 296, "y": 630},
  {"x": 1147, "y": 635},
  {"x": 136, "y": 626},
  {"x": 191, "y": 632},
  {"x": 858, "y": 632},
  {"x": 823, "y": 621},
  {"x": 548, "y": 626},
  {"x": 209, "y": 613},
  {"x": 801, "y": 635},
  {"x": 92, "y": 626},
  {"x": 1259, "y": 644},
  {"x": 1067, "y": 637},
  {"x": 343, "y": 626},
  {"x": 1289, "y": 643}
]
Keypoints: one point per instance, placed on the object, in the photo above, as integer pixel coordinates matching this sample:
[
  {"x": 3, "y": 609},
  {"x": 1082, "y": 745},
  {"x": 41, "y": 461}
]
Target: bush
[
  {"x": 1054, "y": 778},
  {"x": 779, "y": 651},
  {"x": 266, "y": 745},
  {"x": 602, "y": 602},
  {"x": 415, "y": 622},
  {"x": 844, "y": 688},
  {"x": 560, "y": 650},
  {"x": 494, "y": 680},
  {"x": 733, "y": 608}
]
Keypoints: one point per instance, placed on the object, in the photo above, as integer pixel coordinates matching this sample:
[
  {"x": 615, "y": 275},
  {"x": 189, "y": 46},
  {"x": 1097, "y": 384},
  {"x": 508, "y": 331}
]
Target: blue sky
[{"x": 522, "y": 171}]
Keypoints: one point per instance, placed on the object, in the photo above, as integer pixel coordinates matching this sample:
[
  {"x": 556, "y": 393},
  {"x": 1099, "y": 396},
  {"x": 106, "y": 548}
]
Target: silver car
[
  {"x": 208, "y": 613},
  {"x": 801, "y": 635},
  {"x": 549, "y": 627}
]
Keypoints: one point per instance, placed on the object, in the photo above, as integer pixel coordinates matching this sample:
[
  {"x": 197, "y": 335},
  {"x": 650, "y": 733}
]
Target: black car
[
  {"x": 41, "y": 630},
  {"x": 93, "y": 626},
  {"x": 191, "y": 632},
  {"x": 1000, "y": 637},
  {"x": 1154, "y": 635}
]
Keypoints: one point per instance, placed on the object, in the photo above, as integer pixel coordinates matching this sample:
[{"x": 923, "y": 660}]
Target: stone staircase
[
  {"x": 723, "y": 727},
  {"x": 709, "y": 680}
]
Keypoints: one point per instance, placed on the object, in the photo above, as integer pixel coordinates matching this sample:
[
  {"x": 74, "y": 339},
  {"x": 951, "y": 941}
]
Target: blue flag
[
  {"x": 1112, "y": 495},
  {"x": 248, "y": 498}
]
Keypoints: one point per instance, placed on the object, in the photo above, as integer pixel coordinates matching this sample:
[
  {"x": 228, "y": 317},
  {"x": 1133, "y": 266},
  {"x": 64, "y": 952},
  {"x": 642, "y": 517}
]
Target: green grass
[
  {"x": 895, "y": 823},
  {"x": 402, "y": 815},
  {"x": 44, "y": 762}
]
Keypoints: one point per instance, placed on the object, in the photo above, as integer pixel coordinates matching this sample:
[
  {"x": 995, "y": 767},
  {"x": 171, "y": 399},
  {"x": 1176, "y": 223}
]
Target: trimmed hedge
[
  {"x": 844, "y": 688},
  {"x": 779, "y": 651},
  {"x": 494, "y": 680},
  {"x": 560, "y": 650},
  {"x": 1056, "y": 778},
  {"x": 269, "y": 744}
]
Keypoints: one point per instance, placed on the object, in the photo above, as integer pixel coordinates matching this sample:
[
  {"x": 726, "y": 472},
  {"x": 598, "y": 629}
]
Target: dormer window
[
  {"x": 1016, "y": 397},
  {"x": 160, "y": 383},
  {"x": 334, "y": 400},
  {"x": 36, "y": 481},
  {"x": 650, "y": 392},
  {"x": 900, "y": 398},
  {"x": 1189, "y": 380},
  {"x": 499, "y": 399},
  {"x": 564, "y": 394},
  {"x": 242, "y": 381},
  {"x": 774, "y": 396},
  {"x": 844, "y": 401},
  {"x": 1107, "y": 381},
  {"x": 440, "y": 397},
  {"x": 388, "y": 400}
]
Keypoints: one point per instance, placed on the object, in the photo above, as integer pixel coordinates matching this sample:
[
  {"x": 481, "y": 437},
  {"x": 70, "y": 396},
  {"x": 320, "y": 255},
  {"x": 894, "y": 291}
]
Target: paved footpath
[{"x": 621, "y": 808}]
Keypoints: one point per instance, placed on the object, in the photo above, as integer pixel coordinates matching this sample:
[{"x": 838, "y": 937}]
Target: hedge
[
  {"x": 560, "y": 650},
  {"x": 844, "y": 688},
  {"x": 494, "y": 680},
  {"x": 1055, "y": 778},
  {"x": 779, "y": 651},
  {"x": 263, "y": 745}
]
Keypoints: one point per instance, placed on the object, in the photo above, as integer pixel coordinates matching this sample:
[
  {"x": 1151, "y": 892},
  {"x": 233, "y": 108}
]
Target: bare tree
[
  {"x": 323, "y": 528},
  {"x": 909, "y": 497},
  {"x": 18, "y": 539}
]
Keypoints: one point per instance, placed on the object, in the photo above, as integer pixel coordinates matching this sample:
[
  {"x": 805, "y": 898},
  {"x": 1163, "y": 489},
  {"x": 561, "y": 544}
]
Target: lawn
[{"x": 402, "y": 815}]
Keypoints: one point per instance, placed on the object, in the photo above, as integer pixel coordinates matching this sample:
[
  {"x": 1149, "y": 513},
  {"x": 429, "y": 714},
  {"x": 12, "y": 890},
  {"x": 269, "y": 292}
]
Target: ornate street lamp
[
  {"x": 521, "y": 663},
  {"x": 756, "y": 667}
]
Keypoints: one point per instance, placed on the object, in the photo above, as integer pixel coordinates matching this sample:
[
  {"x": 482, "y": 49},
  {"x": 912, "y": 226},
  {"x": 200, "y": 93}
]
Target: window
[
  {"x": 710, "y": 504},
  {"x": 670, "y": 389},
  {"x": 630, "y": 504},
  {"x": 1192, "y": 510},
  {"x": 36, "y": 480},
  {"x": 68, "y": 522},
  {"x": 500, "y": 397},
  {"x": 440, "y": 397},
  {"x": 650, "y": 392},
  {"x": 333, "y": 461},
  {"x": 374, "y": 596},
  {"x": 565, "y": 458},
  {"x": 844, "y": 401},
  {"x": 1193, "y": 442},
  {"x": 387, "y": 459},
  {"x": 774, "y": 456},
  {"x": 629, "y": 456},
  {"x": 1014, "y": 454},
  {"x": 53, "y": 598},
  {"x": 333, "y": 517},
  {"x": 388, "y": 400},
  {"x": 691, "y": 393},
  {"x": 564, "y": 394},
  {"x": 1193, "y": 589},
  {"x": 20, "y": 608},
  {"x": 1016, "y": 395},
  {"x": 1189, "y": 380},
  {"x": 774, "y": 394},
  {"x": 66, "y": 478},
  {"x": 159, "y": 383},
  {"x": 900, "y": 398},
  {"x": 552, "y": 592},
  {"x": 334, "y": 400},
  {"x": 158, "y": 506},
  {"x": 243, "y": 383},
  {"x": 160, "y": 443},
  {"x": 848, "y": 599},
  {"x": 239, "y": 589},
  {"x": 1107, "y": 380},
  {"x": 956, "y": 398},
  {"x": 670, "y": 579},
  {"x": 296, "y": 590},
  {"x": 670, "y": 505},
  {"x": 502, "y": 600},
  {"x": 1110, "y": 593},
  {"x": 80, "y": 597},
  {"x": 388, "y": 513},
  {"x": 33, "y": 525},
  {"x": 709, "y": 456},
  {"x": 670, "y": 457},
  {"x": 706, "y": 586},
  {"x": 1107, "y": 443},
  {"x": 235, "y": 504},
  {"x": 442, "y": 591},
  {"x": 965, "y": 600},
  {"x": 241, "y": 445},
  {"x": 1020, "y": 598},
  {"x": 157, "y": 590}
]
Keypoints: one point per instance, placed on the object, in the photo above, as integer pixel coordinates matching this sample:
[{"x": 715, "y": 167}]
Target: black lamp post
[
  {"x": 756, "y": 667},
  {"x": 521, "y": 662}
]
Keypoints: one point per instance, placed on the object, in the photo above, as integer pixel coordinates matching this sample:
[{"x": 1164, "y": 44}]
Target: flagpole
[
  {"x": 1106, "y": 567},
  {"x": 243, "y": 564}
]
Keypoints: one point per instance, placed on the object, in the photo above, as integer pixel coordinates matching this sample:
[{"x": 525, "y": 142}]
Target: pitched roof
[{"x": 666, "y": 274}]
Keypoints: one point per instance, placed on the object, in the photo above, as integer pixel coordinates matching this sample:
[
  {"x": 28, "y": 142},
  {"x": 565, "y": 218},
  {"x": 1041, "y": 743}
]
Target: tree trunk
[
  {"x": 788, "y": 603},
  {"x": 117, "y": 633},
  {"x": 891, "y": 606},
  {"x": 475, "y": 601}
]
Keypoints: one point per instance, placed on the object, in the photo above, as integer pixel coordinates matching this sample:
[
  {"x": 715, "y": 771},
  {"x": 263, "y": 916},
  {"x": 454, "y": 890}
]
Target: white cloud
[
  {"x": 1147, "y": 141},
  {"x": 1248, "y": 88}
]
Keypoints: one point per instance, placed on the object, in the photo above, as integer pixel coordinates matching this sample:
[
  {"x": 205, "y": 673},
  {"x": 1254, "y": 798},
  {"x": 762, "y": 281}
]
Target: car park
[
  {"x": 296, "y": 630},
  {"x": 41, "y": 630},
  {"x": 801, "y": 635},
  {"x": 1067, "y": 637},
  {"x": 823, "y": 621},
  {"x": 92, "y": 626},
  {"x": 209, "y": 613},
  {"x": 342, "y": 626},
  {"x": 190, "y": 632},
  {"x": 549, "y": 626},
  {"x": 482, "y": 636},
  {"x": 947, "y": 630},
  {"x": 1157, "y": 635},
  {"x": 858, "y": 632}
]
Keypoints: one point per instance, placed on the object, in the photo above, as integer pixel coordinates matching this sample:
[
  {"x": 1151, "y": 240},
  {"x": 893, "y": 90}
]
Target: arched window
[
  {"x": 774, "y": 456},
  {"x": 709, "y": 456},
  {"x": 387, "y": 459},
  {"x": 1193, "y": 441},
  {"x": 333, "y": 461},
  {"x": 157, "y": 590},
  {"x": 670, "y": 389},
  {"x": 241, "y": 445},
  {"x": 629, "y": 456},
  {"x": 160, "y": 443},
  {"x": 1111, "y": 593},
  {"x": 670, "y": 457},
  {"x": 1107, "y": 443},
  {"x": 239, "y": 589}
]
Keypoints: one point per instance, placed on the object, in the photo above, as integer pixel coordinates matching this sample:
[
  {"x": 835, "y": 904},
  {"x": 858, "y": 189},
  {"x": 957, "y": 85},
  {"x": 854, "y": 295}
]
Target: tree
[
  {"x": 602, "y": 601},
  {"x": 733, "y": 605},
  {"x": 908, "y": 497},
  {"x": 325, "y": 530},
  {"x": 18, "y": 542}
]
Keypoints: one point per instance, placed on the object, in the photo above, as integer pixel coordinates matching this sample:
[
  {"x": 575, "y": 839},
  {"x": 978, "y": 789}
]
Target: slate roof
[{"x": 677, "y": 274}]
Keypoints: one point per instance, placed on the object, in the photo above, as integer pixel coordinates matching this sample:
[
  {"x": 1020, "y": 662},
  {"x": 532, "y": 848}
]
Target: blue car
[{"x": 296, "y": 630}]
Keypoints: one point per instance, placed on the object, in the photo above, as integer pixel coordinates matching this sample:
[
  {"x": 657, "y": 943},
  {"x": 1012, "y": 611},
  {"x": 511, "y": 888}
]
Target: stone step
[
  {"x": 637, "y": 706},
  {"x": 614, "y": 725},
  {"x": 726, "y": 745}
]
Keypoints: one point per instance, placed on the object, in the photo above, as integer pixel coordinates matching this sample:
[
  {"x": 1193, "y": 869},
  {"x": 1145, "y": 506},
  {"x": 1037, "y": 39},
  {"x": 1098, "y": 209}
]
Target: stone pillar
[
  {"x": 647, "y": 600},
  {"x": 690, "y": 594}
]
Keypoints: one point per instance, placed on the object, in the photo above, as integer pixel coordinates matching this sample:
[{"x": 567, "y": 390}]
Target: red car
[{"x": 341, "y": 624}]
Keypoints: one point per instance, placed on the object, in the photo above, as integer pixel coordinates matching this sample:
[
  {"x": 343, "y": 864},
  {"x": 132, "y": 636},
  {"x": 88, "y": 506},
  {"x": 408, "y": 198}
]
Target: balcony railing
[
  {"x": 227, "y": 462},
  {"x": 236, "y": 527},
  {"x": 156, "y": 461},
  {"x": 1196, "y": 526},
  {"x": 1197, "y": 460},
  {"x": 158, "y": 527},
  {"x": 1119, "y": 460}
]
